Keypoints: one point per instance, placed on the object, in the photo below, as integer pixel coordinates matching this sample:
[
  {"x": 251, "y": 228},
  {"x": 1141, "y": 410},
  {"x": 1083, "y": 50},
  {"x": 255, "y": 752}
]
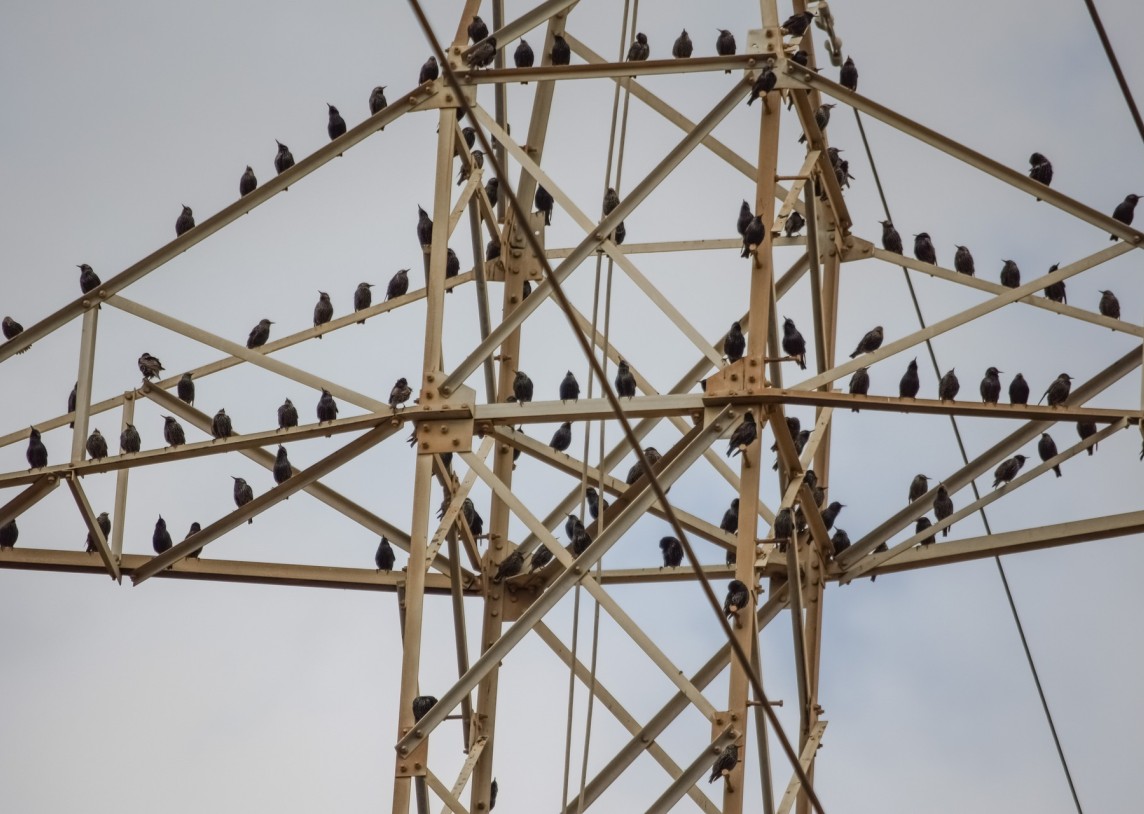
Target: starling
[
  {"x": 726, "y": 762},
  {"x": 287, "y": 415},
  {"x": 473, "y": 519},
  {"x": 544, "y": 203},
  {"x": 191, "y": 532},
  {"x": 569, "y": 388},
  {"x": 161, "y": 538},
  {"x": 725, "y": 44},
  {"x": 620, "y": 234},
  {"x": 221, "y": 426},
  {"x": 522, "y": 387},
  {"x": 1007, "y": 470},
  {"x": 625, "y": 381},
  {"x": 1018, "y": 390},
  {"x": 561, "y": 53},
  {"x": 284, "y": 159},
  {"x": 400, "y": 393},
  {"x": 1058, "y": 391},
  {"x": 88, "y": 279},
  {"x": 9, "y": 534},
  {"x": 424, "y": 228},
  {"x": 71, "y": 402},
  {"x": 891, "y": 240},
  {"x": 478, "y": 161},
  {"x": 745, "y": 217},
  {"x": 794, "y": 224},
  {"x": 104, "y": 523},
  {"x": 129, "y": 440},
  {"x": 523, "y": 57},
  {"x": 1125, "y": 210},
  {"x": 323, "y": 311},
  {"x": 923, "y": 524},
  {"x": 842, "y": 173},
  {"x": 398, "y": 285},
  {"x": 429, "y": 71},
  {"x": 540, "y": 558},
  {"x": 797, "y": 24},
  {"x": 848, "y": 76},
  {"x": 1040, "y": 169},
  {"x": 800, "y": 440},
  {"x": 830, "y": 513},
  {"x": 1084, "y": 429},
  {"x": 337, "y": 125},
  {"x": 510, "y": 566},
  {"x": 730, "y": 521},
  {"x": 593, "y": 499},
  {"x": 639, "y": 50},
  {"x": 948, "y": 387},
  {"x": 821, "y": 118},
  {"x": 581, "y": 539},
  {"x": 1010, "y": 275},
  {"x": 384, "y": 557},
  {"x": 735, "y": 343},
  {"x": 327, "y": 407},
  {"x": 282, "y": 468},
  {"x": 1109, "y": 305},
  {"x": 753, "y": 235},
  {"x": 247, "y": 183},
  {"x": 918, "y": 487},
  {"x": 96, "y": 445},
  {"x": 869, "y": 343},
  {"x": 150, "y": 366},
  {"x": 637, "y": 471},
  {"x": 422, "y": 704},
  {"x": 737, "y": 598},
  {"x": 243, "y": 494},
  {"x": 570, "y": 525},
  {"x": 452, "y": 265},
  {"x": 840, "y": 541},
  {"x": 991, "y": 386},
  {"x": 784, "y": 524},
  {"x": 859, "y": 384},
  {"x": 185, "y": 222},
  {"x": 963, "y": 261},
  {"x": 910, "y": 384},
  {"x": 12, "y": 329},
  {"x": 186, "y": 389},
  {"x": 942, "y": 507},
  {"x": 492, "y": 190},
  {"x": 492, "y": 250},
  {"x": 764, "y": 84},
  {"x": 1056, "y": 291},
  {"x": 259, "y": 334},
  {"x": 477, "y": 31},
  {"x": 923, "y": 248},
  {"x": 744, "y": 435},
  {"x": 1047, "y": 448},
  {"x": 363, "y": 298},
  {"x": 377, "y": 100},
  {"x": 800, "y": 57},
  {"x": 173, "y": 432},
  {"x": 672, "y": 552},
  {"x": 732, "y": 558},
  {"x": 526, "y": 289},
  {"x": 682, "y": 48},
  {"x": 482, "y": 55},
  {"x": 562, "y": 438}
]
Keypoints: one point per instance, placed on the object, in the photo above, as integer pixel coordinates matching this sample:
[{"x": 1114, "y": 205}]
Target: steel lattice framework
[{"x": 445, "y": 559}]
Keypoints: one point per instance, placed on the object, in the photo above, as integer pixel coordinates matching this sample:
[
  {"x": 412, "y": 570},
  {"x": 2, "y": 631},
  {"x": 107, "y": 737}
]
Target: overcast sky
[{"x": 187, "y": 697}]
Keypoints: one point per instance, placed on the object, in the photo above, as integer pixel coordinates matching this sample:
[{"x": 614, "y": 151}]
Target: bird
[
  {"x": 323, "y": 311},
  {"x": 910, "y": 384},
  {"x": 150, "y": 366},
  {"x": 620, "y": 234},
  {"x": 1084, "y": 429},
  {"x": 1047, "y": 448},
  {"x": 473, "y": 519},
  {"x": 682, "y": 47},
  {"x": 848, "y": 76},
  {"x": 726, "y": 762},
  {"x": 327, "y": 407},
  {"x": 482, "y": 55},
  {"x": 918, "y": 487},
  {"x": 859, "y": 384},
  {"x": 398, "y": 286},
  {"x": 672, "y": 552},
  {"x": 477, "y": 29},
  {"x": 96, "y": 445},
  {"x": 523, "y": 57},
  {"x": 734, "y": 344},
  {"x": 544, "y": 203},
  {"x": 363, "y": 298},
  {"x": 71, "y": 403},
  {"x": 173, "y": 432},
  {"x": 492, "y": 190},
  {"x": 870, "y": 342},
  {"x": 1010, "y": 275},
  {"x": 221, "y": 426},
  {"x": 1056, "y": 291},
  {"x": 1018, "y": 390},
  {"x": 963, "y": 261},
  {"x": 287, "y": 415},
  {"x": 744, "y": 435},
  {"x": 637, "y": 471},
  {"x": 478, "y": 161},
  {"x": 745, "y": 217},
  {"x": 581, "y": 539},
  {"x": 923, "y": 248},
  {"x": 942, "y": 507},
  {"x": 840, "y": 540},
  {"x": 821, "y": 118},
  {"x": 725, "y": 45},
  {"x": 282, "y": 468},
  {"x": 259, "y": 334},
  {"x": 991, "y": 386},
  {"x": 593, "y": 499},
  {"x": 384, "y": 558},
  {"x": 185, "y": 222},
  {"x": 243, "y": 494},
  {"x": 522, "y": 387},
  {"x": 186, "y": 389},
  {"x": 247, "y": 183},
  {"x": 452, "y": 265},
  {"x": 424, "y": 228},
  {"x": 797, "y": 24},
  {"x": 1007, "y": 470},
  {"x": 784, "y": 524},
  {"x": 12, "y": 329},
  {"x": 1040, "y": 169},
  {"x": 1058, "y": 391},
  {"x": 1109, "y": 305},
  {"x": 103, "y": 521},
  {"x": 9, "y": 534},
  {"x": 753, "y": 235},
  {"x": 88, "y": 279},
  {"x": 284, "y": 159},
  {"x": 510, "y": 566},
  {"x": 1125, "y": 210},
  {"x": 161, "y": 538},
  {"x": 891, "y": 240},
  {"x": 799, "y": 57},
  {"x": 540, "y": 558},
  {"x": 129, "y": 440},
  {"x": 737, "y": 598},
  {"x": 570, "y": 525},
  {"x": 562, "y": 438},
  {"x": 639, "y": 50},
  {"x": 421, "y": 706},
  {"x": 429, "y": 71},
  {"x": 794, "y": 224},
  {"x": 625, "y": 381},
  {"x": 377, "y": 100},
  {"x": 948, "y": 387},
  {"x": 764, "y": 83},
  {"x": 337, "y": 125},
  {"x": 923, "y": 524},
  {"x": 400, "y": 393},
  {"x": 561, "y": 53},
  {"x": 492, "y": 250},
  {"x": 730, "y": 521},
  {"x": 830, "y": 513},
  {"x": 569, "y": 388}
]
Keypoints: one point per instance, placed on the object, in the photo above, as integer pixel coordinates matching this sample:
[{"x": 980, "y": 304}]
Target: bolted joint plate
[
  {"x": 413, "y": 764},
  {"x": 516, "y": 257},
  {"x": 742, "y": 378},
  {"x": 440, "y": 435}
]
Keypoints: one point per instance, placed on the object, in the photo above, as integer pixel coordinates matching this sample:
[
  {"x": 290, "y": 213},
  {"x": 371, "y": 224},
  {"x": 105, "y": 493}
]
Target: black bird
[
  {"x": 735, "y": 343},
  {"x": 800, "y": 439},
  {"x": 1109, "y": 305},
  {"x": 1018, "y": 390},
  {"x": 923, "y": 524},
  {"x": 1007, "y": 470},
  {"x": 1010, "y": 275},
  {"x": 9, "y": 534},
  {"x": 247, "y": 183},
  {"x": 764, "y": 83},
  {"x": 637, "y": 471},
  {"x": 477, "y": 29},
  {"x": 327, "y": 407},
  {"x": 840, "y": 541},
  {"x": 544, "y": 203},
  {"x": 672, "y": 552},
  {"x": 259, "y": 334},
  {"x": 243, "y": 494},
  {"x": 730, "y": 521},
  {"x": 794, "y": 224},
  {"x": 150, "y": 366},
  {"x": 540, "y": 558},
  {"x": 821, "y": 118},
  {"x": 830, "y": 513},
  {"x": 1047, "y": 448},
  {"x": 794, "y": 426},
  {"x": 287, "y": 415},
  {"x": 611, "y": 201},
  {"x": 870, "y": 342},
  {"x": 639, "y": 50},
  {"x": 800, "y": 57},
  {"x": 991, "y": 386},
  {"x": 12, "y": 329},
  {"x": 510, "y": 566},
  {"x": 173, "y": 432},
  {"x": 859, "y": 384},
  {"x": 1056, "y": 291},
  {"x": 625, "y": 381},
  {"x": 682, "y": 47},
  {"x": 323, "y": 311},
  {"x": 377, "y": 100},
  {"x": 923, "y": 248},
  {"x": 891, "y": 240},
  {"x": 561, "y": 53},
  {"x": 492, "y": 190},
  {"x": 452, "y": 265},
  {"x": 482, "y": 55},
  {"x": 1125, "y": 210},
  {"x": 593, "y": 499},
  {"x": 104, "y": 523},
  {"x": 797, "y": 24},
  {"x": 186, "y": 389},
  {"x": 284, "y": 159},
  {"x": 71, "y": 402},
  {"x": 384, "y": 557},
  {"x": 848, "y": 76},
  {"x": 725, "y": 44},
  {"x": 918, "y": 487},
  {"x": 522, "y": 387},
  {"x": 753, "y": 235},
  {"x": 421, "y": 706},
  {"x": 492, "y": 250},
  {"x": 570, "y": 525},
  {"x": 400, "y": 393},
  {"x": 523, "y": 57},
  {"x": 745, "y": 218},
  {"x": 580, "y": 540},
  {"x": 726, "y": 762},
  {"x": 473, "y": 519},
  {"x": 161, "y": 538},
  {"x": 363, "y": 298},
  {"x": 963, "y": 261},
  {"x": 1084, "y": 429},
  {"x": 569, "y": 388},
  {"x": 88, "y": 279},
  {"x": 185, "y": 222},
  {"x": 562, "y": 438},
  {"x": 221, "y": 426},
  {"x": 1058, "y": 391},
  {"x": 1040, "y": 169},
  {"x": 337, "y": 125},
  {"x": 398, "y": 285},
  {"x": 424, "y": 227},
  {"x": 620, "y": 234},
  {"x": 942, "y": 507},
  {"x": 96, "y": 445},
  {"x": 478, "y": 161},
  {"x": 282, "y": 468},
  {"x": 737, "y": 598},
  {"x": 129, "y": 440},
  {"x": 910, "y": 384},
  {"x": 744, "y": 435},
  {"x": 784, "y": 524},
  {"x": 429, "y": 71},
  {"x": 948, "y": 387}
]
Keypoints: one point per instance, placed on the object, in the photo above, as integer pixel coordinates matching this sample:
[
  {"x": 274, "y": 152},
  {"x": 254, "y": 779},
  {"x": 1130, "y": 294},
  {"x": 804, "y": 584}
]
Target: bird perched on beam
[
  {"x": 473, "y": 519},
  {"x": 963, "y": 261},
  {"x": 831, "y": 512},
  {"x": 672, "y": 552},
  {"x": 639, "y": 50},
  {"x": 793, "y": 224},
  {"x": 735, "y": 344},
  {"x": 510, "y": 566},
  {"x": 1058, "y": 392},
  {"x": 1007, "y": 470},
  {"x": 910, "y": 383},
  {"x": 730, "y": 521},
  {"x": 287, "y": 415},
  {"x": 185, "y": 222},
  {"x": 150, "y": 366},
  {"x": 593, "y": 499},
  {"x": 186, "y": 389},
  {"x": 384, "y": 557},
  {"x": 1047, "y": 449},
  {"x": 948, "y": 387},
  {"x": 859, "y": 384},
  {"x": 283, "y": 159},
  {"x": 336, "y": 125},
  {"x": 923, "y": 248},
  {"x": 821, "y": 118},
  {"x": 544, "y": 203},
  {"x": 840, "y": 541},
  {"x": 247, "y": 183},
  {"x": 562, "y": 438},
  {"x": 764, "y": 83},
  {"x": 637, "y": 471},
  {"x": 282, "y": 468},
  {"x": 796, "y": 24},
  {"x": 327, "y": 407},
  {"x": 429, "y": 71},
  {"x": 1056, "y": 291},
  {"x": 793, "y": 343},
  {"x": 891, "y": 240},
  {"x": 221, "y": 426},
  {"x": 737, "y": 598},
  {"x": 625, "y": 381},
  {"x": 424, "y": 228},
  {"x": 421, "y": 706},
  {"x": 569, "y": 388},
  {"x": 744, "y": 435},
  {"x": 918, "y": 487},
  {"x": 259, "y": 334},
  {"x": 129, "y": 440},
  {"x": 991, "y": 386},
  {"x": 870, "y": 342},
  {"x": 161, "y": 538},
  {"x": 561, "y": 53},
  {"x": 398, "y": 285},
  {"x": 88, "y": 279},
  {"x": 12, "y": 329},
  {"x": 724, "y": 764},
  {"x": 400, "y": 393},
  {"x": 104, "y": 523},
  {"x": 682, "y": 47},
  {"x": 243, "y": 494},
  {"x": 1018, "y": 390},
  {"x": 848, "y": 76},
  {"x": 1109, "y": 305},
  {"x": 1010, "y": 275},
  {"x": 923, "y": 524},
  {"x": 363, "y": 298},
  {"x": 1124, "y": 211},
  {"x": 96, "y": 445},
  {"x": 173, "y": 432},
  {"x": 784, "y": 524},
  {"x": 725, "y": 45},
  {"x": 1040, "y": 169},
  {"x": 753, "y": 236},
  {"x": 1085, "y": 429},
  {"x": 942, "y": 507},
  {"x": 477, "y": 29},
  {"x": 9, "y": 534},
  {"x": 745, "y": 217},
  {"x": 540, "y": 558},
  {"x": 522, "y": 387},
  {"x": 483, "y": 54}
]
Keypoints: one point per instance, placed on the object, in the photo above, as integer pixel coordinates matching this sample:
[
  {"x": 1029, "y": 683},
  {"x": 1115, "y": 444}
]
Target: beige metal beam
[
  {"x": 694, "y": 771},
  {"x": 807, "y": 756},
  {"x": 83, "y": 383},
  {"x": 93, "y": 529},
  {"x": 36, "y": 491}
]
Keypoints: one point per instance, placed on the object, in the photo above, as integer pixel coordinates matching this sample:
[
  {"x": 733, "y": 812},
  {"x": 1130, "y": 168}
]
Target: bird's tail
[
  {"x": 1057, "y": 470},
  {"x": 945, "y": 532}
]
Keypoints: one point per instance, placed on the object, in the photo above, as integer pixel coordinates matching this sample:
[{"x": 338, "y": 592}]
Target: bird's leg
[{"x": 727, "y": 780}]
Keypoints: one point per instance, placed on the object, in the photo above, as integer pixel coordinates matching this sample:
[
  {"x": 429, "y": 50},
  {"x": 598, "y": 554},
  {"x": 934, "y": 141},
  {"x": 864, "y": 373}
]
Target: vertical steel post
[
  {"x": 119, "y": 514},
  {"x": 83, "y": 382}
]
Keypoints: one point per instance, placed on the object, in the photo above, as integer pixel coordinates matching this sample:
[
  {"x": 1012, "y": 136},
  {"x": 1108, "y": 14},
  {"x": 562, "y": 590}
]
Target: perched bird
[
  {"x": 840, "y": 540},
  {"x": 173, "y": 432},
  {"x": 421, "y": 706},
  {"x": 523, "y": 57},
  {"x": 744, "y": 435},
  {"x": 88, "y": 279},
  {"x": 923, "y": 524},
  {"x": 753, "y": 235},
  {"x": 745, "y": 217},
  {"x": 625, "y": 381},
  {"x": 400, "y": 393},
  {"x": 185, "y": 222},
  {"x": 71, "y": 402},
  {"x": 540, "y": 558},
  {"x": 377, "y": 100},
  {"x": 737, "y": 598},
  {"x": 848, "y": 76},
  {"x": 948, "y": 387},
  {"x": 730, "y": 521},
  {"x": 725, "y": 44},
  {"x": 282, "y": 468},
  {"x": 1084, "y": 429},
  {"x": 637, "y": 471},
  {"x": 991, "y": 386},
  {"x": 1109, "y": 305},
  {"x": 161, "y": 538},
  {"x": 327, "y": 407},
  {"x": 323, "y": 311},
  {"x": 12, "y": 329},
  {"x": 424, "y": 228},
  {"x": 243, "y": 494},
  {"x": 363, "y": 298},
  {"x": 384, "y": 558},
  {"x": 477, "y": 29},
  {"x": 821, "y": 118},
  {"x": 287, "y": 415},
  {"x": 186, "y": 389},
  {"x": 473, "y": 519},
  {"x": 620, "y": 234},
  {"x": 1018, "y": 390},
  {"x": 104, "y": 524},
  {"x": 794, "y": 224},
  {"x": 1056, "y": 291},
  {"x": 870, "y": 342},
  {"x": 1007, "y": 470},
  {"x": 9, "y": 534},
  {"x": 682, "y": 47},
  {"x": 891, "y": 240},
  {"x": 247, "y": 183},
  {"x": 221, "y": 426},
  {"x": 429, "y": 71},
  {"x": 492, "y": 250},
  {"x": 492, "y": 190},
  {"x": 259, "y": 334},
  {"x": 797, "y": 24},
  {"x": 398, "y": 285},
  {"x": 284, "y": 159},
  {"x": 593, "y": 499},
  {"x": 799, "y": 57},
  {"x": 510, "y": 566},
  {"x": 544, "y": 203},
  {"x": 482, "y": 55},
  {"x": 859, "y": 384},
  {"x": 672, "y": 552},
  {"x": 129, "y": 440},
  {"x": 1125, "y": 210},
  {"x": 724, "y": 764},
  {"x": 150, "y": 366},
  {"x": 562, "y": 438},
  {"x": 336, "y": 125},
  {"x": 522, "y": 387},
  {"x": 764, "y": 83},
  {"x": 923, "y": 248},
  {"x": 452, "y": 265},
  {"x": 1058, "y": 391},
  {"x": 918, "y": 487},
  {"x": 910, "y": 383},
  {"x": 478, "y": 161},
  {"x": 96, "y": 445},
  {"x": 639, "y": 50},
  {"x": 1010, "y": 275},
  {"x": 942, "y": 506},
  {"x": 784, "y": 524},
  {"x": 735, "y": 344},
  {"x": 570, "y": 525},
  {"x": 569, "y": 388},
  {"x": 830, "y": 513},
  {"x": 1047, "y": 448},
  {"x": 963, "y": 261},
  {"x": 1040, "y": 169},
  {"x": 581, "y": 539},
  {"x": 561, "y": 53}
]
